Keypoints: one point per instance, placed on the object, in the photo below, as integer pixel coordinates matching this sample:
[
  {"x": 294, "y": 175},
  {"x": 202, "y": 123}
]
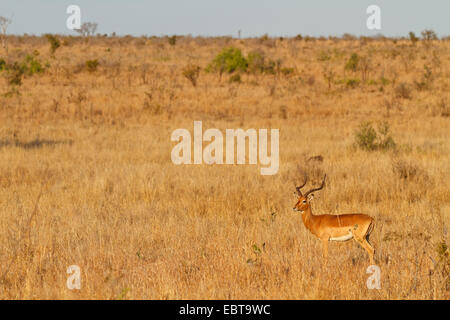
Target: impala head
[{"x": 303, "y": 200}]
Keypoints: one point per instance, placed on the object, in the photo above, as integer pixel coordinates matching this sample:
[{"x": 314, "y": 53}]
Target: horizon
[{"x": 252, "y": 19}]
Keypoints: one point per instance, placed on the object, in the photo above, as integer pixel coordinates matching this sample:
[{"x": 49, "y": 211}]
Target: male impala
[{"x": 329, "y": 227}]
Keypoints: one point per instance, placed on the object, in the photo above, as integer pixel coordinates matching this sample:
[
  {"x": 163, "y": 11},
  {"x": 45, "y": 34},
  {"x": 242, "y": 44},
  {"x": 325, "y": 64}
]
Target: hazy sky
[{"x": 226, "y": 17}]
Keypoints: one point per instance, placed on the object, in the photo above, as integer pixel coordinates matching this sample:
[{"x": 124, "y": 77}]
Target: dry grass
[{"x": 98, "y": 144}]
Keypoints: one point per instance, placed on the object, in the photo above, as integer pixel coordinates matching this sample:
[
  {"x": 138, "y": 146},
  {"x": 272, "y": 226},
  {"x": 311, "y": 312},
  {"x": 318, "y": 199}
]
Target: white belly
[{"x": 342, "y": 238}]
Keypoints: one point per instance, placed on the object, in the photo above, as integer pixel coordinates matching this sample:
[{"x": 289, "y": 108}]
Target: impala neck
[{"x": 308, "y": 219}]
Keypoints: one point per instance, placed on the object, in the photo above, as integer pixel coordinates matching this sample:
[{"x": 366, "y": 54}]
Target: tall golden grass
[{"x": 98, "y": 146}]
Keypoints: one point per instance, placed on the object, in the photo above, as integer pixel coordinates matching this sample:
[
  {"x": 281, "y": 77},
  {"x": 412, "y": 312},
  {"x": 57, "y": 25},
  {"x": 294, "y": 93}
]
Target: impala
[{"x": 329, "y": 227}]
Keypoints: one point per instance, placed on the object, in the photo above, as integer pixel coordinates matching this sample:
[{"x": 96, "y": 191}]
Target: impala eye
[{"x": 304, "y": 201}]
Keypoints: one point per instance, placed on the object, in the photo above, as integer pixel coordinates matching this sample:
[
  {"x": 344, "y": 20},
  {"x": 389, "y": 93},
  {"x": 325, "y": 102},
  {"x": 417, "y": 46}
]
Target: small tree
[
  {"x": 352, "y": 63},
  {"x": 87, "y": 29},
  {"x": 92, "y": 65},
  {"x": 54, "y": 43},
  {"x": 413, "y": 38},
  {"x": 228, "y": 60},
  {"x": 367, "y": 138},
  {"x": 172, "y": 40},
  {"x": 4, "y": 23},
  {"x": 429, "y": 35},
  {"x": 329, "y": 75},
  {"x": 191, "y": 72}
]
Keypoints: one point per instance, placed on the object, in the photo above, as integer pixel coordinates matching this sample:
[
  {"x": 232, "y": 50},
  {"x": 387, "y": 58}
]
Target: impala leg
[
  {"x": 363, "y": 243},
  {"x": 370, "y": 250}
]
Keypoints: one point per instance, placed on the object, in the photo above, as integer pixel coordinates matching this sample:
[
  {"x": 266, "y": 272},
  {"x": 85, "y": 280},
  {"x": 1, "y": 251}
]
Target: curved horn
[
  {"x": 316, "y": 189},
  {"x": 299, "y": 187}
]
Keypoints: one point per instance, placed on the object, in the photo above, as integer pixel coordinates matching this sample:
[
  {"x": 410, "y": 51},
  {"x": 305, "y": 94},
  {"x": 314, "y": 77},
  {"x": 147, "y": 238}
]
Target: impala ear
[{"x": 310, "y": 196}]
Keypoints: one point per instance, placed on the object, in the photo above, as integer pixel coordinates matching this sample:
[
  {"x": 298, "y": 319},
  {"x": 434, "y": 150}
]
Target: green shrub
[
  {"x": 256, "y": 62},
  {"x": 352, "y": 63},
  {"x": 412, "y": 37},
  {"x": 384, "y": 81},
  {"x": 92, "y": 65},
  {"x": 367, "y": 138},
  {"x": 235, "y": 78},
  {"x": 30, "y": 65},
  {"x": 429, "y": 35},
  {"x": 287, "y": 71},
  {"x": 14, "y": 74},
  {"x": 192, "y": 72},
  {"x": 15, "y": 71},
  {"x": 323, "y": 56},
  {"x": 271, "y": 66},
  {"x": 352, "y": 83},
  {"x": 172, "y": 40},
  {"x": 228, "y": 60},
  {"x": 403, "y": 91},
  {"x": 427, "y": 79},
  {"x": 54, "y": 43},
  {"x": 385, "y": 141}
]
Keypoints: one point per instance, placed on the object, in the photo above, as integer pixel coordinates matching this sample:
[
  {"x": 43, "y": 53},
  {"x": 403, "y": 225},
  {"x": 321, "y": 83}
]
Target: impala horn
[
  {"x": 299, "y": 187},
  {"x": 317, "y": 189}
]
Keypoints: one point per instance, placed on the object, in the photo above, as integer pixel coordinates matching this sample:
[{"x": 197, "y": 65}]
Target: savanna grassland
[{"x": 88, "y": 124}]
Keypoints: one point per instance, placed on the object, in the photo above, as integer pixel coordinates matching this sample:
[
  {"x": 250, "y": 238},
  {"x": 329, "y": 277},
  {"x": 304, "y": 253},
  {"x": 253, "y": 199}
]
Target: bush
[
  {"x": 429, "y": 35},
  {"x": 348, "y": 36},
  {"x": 192, "y": 72},
  {"x": 92, "y": 65},
  {"x": 172, "y": 40},
  {"x": 256, "y": 61},
  {"x": 384, "y": 81},
  {"x": 386, "y": 142},
  {"x": 323, "y": 56},
  {"x": 228, "y": 60},
  {"x": 405, "y": 169},
  {"x": 352, "y": 83},
  {"x": 235, "y": 78},
  {"x": 2, "y": 64},
  {"x": 15, "y": 71},
  {"x": 412, "y": 37},
  {"x": 352, "y": 63},
  {"x": 427, "y": 79},
  {"x": 14, "y": 74},
  {"x": 54, "y": 43},
  {"x": 287, "y": 71},
  {"x": 403, "y": 91},
  {"x": 367, "y": 138},
  {"x": 30, "y": 66}
]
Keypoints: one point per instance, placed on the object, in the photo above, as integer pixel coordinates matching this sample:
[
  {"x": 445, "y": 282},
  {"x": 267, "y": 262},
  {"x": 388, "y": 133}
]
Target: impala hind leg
[
  {"x": 370, "y": 250},
  {"x": 366, "y": 245}
]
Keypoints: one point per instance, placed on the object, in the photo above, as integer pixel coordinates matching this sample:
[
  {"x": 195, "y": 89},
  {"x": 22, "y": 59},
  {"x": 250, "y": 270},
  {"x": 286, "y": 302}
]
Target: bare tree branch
[
  {"x": 87, "y": 29},
  {"x": 4, "y": 23}
]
